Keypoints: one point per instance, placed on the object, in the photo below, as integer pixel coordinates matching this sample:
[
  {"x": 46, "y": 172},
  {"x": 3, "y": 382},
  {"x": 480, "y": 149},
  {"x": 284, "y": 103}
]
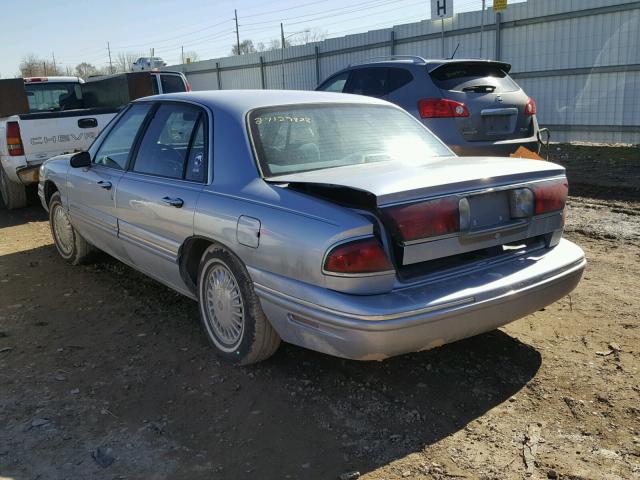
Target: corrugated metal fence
[{"x": 579, "y": 59}]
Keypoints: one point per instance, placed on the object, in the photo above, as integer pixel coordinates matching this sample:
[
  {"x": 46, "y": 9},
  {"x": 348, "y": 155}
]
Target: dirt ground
[{"x": 105, "y": 374}]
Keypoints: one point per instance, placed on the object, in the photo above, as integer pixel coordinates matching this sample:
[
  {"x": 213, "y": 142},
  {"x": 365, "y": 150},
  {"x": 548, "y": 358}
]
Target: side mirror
[{"x": 81, "y": 159}]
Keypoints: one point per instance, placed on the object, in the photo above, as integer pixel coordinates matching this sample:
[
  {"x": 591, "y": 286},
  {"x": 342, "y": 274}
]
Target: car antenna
[{"x": 454, "y": 52}]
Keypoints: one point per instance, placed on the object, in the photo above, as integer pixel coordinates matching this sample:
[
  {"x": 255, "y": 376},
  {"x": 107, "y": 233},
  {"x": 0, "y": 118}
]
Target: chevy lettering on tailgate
[{"x": 62, "y": 138}]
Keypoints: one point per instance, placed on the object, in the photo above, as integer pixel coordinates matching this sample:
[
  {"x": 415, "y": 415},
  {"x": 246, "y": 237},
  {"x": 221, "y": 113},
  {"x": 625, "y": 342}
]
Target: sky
[{"x": 76, "y": 31}]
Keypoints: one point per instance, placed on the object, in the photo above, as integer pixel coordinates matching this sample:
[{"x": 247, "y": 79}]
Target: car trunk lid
[{"x": 480, "y": 189}]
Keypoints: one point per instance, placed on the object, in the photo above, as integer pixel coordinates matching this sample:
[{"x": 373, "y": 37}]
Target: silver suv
[{"x": 474, "y": 106}]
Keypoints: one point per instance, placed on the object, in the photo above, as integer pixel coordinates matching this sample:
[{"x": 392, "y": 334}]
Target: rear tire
[
  {"x": 230, "y": 310},
  {"x": 69, "y": 243},
  {"x": 14, "y": 195}
]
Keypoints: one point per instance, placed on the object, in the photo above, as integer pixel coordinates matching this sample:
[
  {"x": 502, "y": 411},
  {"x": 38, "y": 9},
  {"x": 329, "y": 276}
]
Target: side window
[
  {"x": 154, "y": 84},
  {"x": 197, "y": 161},
  {"x": 398, "y": 77},
  {"x": 163, "y": 150},
  {"x": 335, "y": 84},
  {"x": 172, "y": 83},
  {"x": 368, "y": 81},
  {"x": 114, "y": 150}
]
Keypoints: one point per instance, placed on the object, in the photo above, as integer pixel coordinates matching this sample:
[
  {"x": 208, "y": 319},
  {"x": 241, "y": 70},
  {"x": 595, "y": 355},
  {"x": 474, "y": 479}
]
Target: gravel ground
[{"x": 105, "y": 374}]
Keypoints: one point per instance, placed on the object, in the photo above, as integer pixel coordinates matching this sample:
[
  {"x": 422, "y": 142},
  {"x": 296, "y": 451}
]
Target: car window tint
[
  {"x": 335, "y": 84},
  {"x": 115, "y": 148},
  {"x": 172, "y": 83},
  {"x": 368, "y": 81},
  {"x": 163, "y": 149},
  {"x": 473, "y": 77},
  {"x": 398, "y": 77},
  {"x": 197, "y": 161}
]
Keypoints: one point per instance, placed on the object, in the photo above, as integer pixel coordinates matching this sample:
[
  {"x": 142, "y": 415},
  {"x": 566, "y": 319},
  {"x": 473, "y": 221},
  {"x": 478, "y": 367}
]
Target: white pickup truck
[{"x": 54, "y": 122}]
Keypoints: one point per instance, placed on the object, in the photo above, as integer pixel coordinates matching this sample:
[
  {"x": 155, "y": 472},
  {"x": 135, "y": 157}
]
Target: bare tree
[
  {"x": 124, "y": 61},
  {"x": 246, "y": 46},
  {"x": 191, "y": 56},
  {"x": 85, "y": 70},
  {"x": 33, "y": 66},
  {"x": 311, "y": 35}
]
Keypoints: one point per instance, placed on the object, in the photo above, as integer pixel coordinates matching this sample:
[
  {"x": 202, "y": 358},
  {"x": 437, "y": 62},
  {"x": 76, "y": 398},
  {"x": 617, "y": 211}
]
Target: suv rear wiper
[{"x": 480, "y": 89}]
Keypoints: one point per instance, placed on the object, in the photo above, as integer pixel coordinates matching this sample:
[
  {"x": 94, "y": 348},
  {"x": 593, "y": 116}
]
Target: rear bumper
[
  {"x": 29, "y": 174},
  {"x": 18, "y": 170},
  {"x": 502, "y": 148},
  {"x": 374, "y": 327}
]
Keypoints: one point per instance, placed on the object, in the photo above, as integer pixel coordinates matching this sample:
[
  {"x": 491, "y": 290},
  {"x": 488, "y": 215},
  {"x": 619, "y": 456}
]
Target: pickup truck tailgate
[{"x": 48, "y": 134}]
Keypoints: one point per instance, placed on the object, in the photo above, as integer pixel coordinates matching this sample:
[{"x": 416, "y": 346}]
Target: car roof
[
  {"x": 410, "y": 60},
  {"x": 239, "y": 102}
]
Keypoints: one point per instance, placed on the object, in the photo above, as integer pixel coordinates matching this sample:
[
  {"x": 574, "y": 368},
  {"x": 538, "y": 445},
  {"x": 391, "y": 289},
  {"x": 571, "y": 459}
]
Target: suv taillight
[
  {"x": 14, "y": 142},
  {"x": 530, "y": 107},
  {"x": 550, "y": 196},
  {"x": 426, "y": 219},
  {"x": 360, "y": 256},
  {"x": 441, "y": 108}
]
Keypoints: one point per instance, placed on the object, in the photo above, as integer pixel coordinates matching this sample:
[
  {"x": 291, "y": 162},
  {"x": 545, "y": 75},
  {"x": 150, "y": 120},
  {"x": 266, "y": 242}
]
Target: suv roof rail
[{"x": 386, "y": 58}]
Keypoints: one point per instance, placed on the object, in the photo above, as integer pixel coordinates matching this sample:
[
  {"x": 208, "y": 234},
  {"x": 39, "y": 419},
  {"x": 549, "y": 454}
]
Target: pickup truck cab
[{"x": 55, "y": 124}]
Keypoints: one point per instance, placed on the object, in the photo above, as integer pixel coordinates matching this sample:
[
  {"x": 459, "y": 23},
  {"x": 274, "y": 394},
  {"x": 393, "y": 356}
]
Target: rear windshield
[
  {"x": 298, "y": 138},
  {"x": 52, "y": 97},
  {"x": 172, "y": 83},
  {"x": 473, "y": 77}
]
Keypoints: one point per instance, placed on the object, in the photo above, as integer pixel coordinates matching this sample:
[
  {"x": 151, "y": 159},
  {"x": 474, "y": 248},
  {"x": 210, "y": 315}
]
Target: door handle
[
  {"x": 105, "y": 185},
  {"x": 174, "y": 202}
]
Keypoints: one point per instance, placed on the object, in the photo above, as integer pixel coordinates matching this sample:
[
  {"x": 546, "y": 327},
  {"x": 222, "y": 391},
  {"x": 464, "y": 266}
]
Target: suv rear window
[
  {"x": 172, "y": 83},
  {"x": 473, "y": 77}
]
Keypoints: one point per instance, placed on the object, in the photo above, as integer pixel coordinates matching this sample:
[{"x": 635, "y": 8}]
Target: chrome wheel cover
[
  {"x": 224, "y": 307},
  {"x": 62, "y": 230}
]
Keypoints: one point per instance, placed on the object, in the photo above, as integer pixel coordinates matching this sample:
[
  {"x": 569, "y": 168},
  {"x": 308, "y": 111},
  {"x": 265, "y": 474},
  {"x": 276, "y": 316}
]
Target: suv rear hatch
[{"x": 497, "y": 105}]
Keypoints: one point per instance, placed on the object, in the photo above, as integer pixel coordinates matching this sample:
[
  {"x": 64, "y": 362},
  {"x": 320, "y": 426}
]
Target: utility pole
[
  {"x": 442, "y": 25},
  {"x": 44, "y": 66},
  {"x": 282, "y": 51},
  {"x": 237, "y": 32},
  {"x": 53, "y": 55},
  {"x": 182, "y": 49},
  {"x": 482, "y": 26},
  {"x": 110, "y": 64}
]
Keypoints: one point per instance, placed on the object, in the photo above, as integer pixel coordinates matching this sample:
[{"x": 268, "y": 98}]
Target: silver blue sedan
[{"x": 335, "y": 222}]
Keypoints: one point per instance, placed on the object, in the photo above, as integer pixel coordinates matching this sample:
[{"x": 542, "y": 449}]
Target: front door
[
  {"x": 157, "y": 197},
  {"x": 93, "y": 190}
]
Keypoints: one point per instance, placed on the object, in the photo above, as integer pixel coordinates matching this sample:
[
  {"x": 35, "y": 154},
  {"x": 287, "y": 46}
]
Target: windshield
[
  {"x": 299, "y": 138},
  {"x": 51, "y": 97}
]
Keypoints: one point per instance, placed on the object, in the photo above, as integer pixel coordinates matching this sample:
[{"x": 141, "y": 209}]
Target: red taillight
[
  {"x": 441, "y": 108},
  {"x": 359, "y": 256},
  {"x": 188, "y": 87},
  {"x": 426, "y": 219},
  {"x": 35, "y": 79},
  {"x": 550, "y": 196},
  {"x": 530, "y": 107},
  {"x": 14, "y": 142}
]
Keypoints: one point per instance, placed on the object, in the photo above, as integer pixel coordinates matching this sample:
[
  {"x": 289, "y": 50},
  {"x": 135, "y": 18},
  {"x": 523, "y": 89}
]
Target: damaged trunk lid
[{"x": 443, "y": 207}]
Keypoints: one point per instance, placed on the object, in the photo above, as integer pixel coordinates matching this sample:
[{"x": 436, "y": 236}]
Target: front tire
[
  {"x": 14, "y": 195},
  {"x": 230, "y": 310},
  {"x": 69, "y": 243}
]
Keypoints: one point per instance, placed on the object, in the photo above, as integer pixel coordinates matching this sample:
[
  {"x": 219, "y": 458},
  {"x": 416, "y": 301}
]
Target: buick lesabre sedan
[{"x": 331, "y": 221}]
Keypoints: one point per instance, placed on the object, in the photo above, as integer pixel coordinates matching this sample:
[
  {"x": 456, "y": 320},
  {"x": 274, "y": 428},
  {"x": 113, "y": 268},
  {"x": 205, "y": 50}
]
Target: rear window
[
  {"x": 172, "y": 84},
  {"x": 53, "y": 97},
  {"x": 473, "y": 77},
  {"x": 298, "y": 138}
]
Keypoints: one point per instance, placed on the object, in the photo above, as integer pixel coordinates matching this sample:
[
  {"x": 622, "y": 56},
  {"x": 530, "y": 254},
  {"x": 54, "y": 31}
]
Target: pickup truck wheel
[
  {"x": 14, "y": 195},
  {"x": 69, "y": 243},
  {"x": 230, "y": 310}
]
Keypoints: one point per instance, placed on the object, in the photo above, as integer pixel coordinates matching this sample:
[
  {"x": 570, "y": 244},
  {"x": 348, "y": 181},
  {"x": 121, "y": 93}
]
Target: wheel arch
[
  {"x": 49, "y": 189},
  {"x": 189, "y": 256}
]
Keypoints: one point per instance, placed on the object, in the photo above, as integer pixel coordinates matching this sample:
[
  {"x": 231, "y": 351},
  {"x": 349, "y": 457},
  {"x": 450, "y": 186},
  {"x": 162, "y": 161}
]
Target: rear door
[
  {"x": 157, "y": 197},
  {"x": 372, "y": 82},
  {"x": 495, "y": 102}
]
